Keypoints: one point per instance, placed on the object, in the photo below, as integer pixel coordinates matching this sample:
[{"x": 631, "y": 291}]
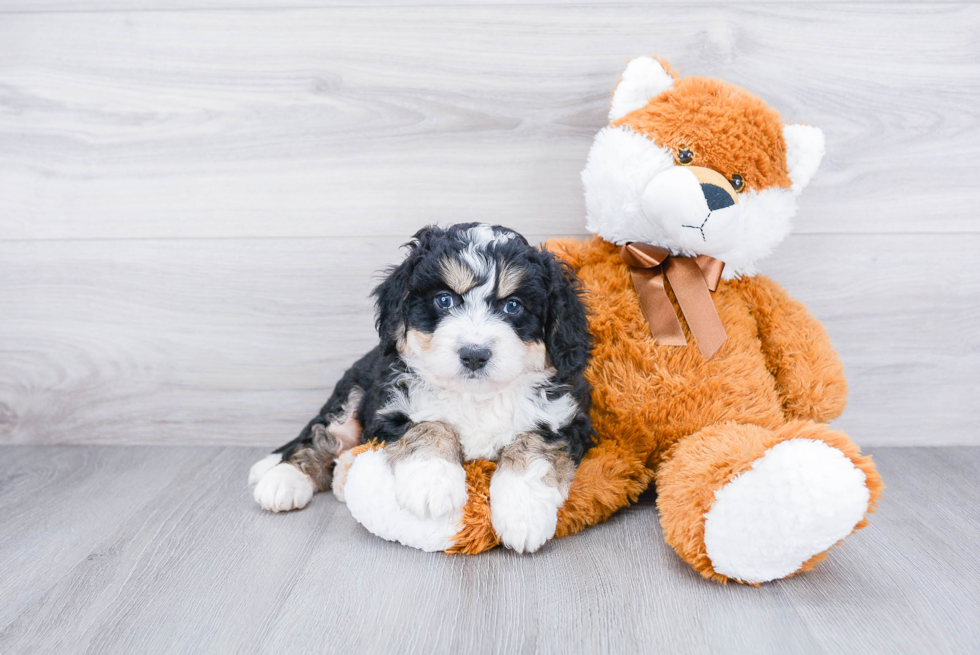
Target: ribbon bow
[{"x": 692, "y": 279}]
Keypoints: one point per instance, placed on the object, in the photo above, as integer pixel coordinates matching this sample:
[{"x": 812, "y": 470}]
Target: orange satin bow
[{"x": 692, "y": 280}]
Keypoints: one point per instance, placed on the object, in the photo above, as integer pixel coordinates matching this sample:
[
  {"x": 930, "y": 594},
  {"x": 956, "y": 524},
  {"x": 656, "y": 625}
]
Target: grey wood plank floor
[{"x": 161, "y": 549}]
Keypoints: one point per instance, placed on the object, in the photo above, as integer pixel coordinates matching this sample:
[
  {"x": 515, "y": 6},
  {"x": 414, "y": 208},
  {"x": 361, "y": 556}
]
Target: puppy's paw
[
  {"x": 262, "y": 467},
  {"x": 282, "y": 488},
  {"x": 430, "y": 488},
  {"x": 523, "y": 508}
]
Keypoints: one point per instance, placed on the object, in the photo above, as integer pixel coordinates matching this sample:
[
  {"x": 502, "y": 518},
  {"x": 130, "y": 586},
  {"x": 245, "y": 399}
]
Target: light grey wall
[{"x": 193, "y": 201}]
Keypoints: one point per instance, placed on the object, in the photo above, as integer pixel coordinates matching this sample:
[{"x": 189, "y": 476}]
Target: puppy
[{"x": 484, "y": 341}]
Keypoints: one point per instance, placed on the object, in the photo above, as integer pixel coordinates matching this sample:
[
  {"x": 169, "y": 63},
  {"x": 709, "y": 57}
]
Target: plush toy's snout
[
  {"x": 697, "y": 207},
  {"x": 718, "y": 192}
]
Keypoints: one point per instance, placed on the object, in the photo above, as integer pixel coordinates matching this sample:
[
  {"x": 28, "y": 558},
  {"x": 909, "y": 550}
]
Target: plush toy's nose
[
  {"x": 718, "y": 192},
  {"x": 716, "y": 197}
]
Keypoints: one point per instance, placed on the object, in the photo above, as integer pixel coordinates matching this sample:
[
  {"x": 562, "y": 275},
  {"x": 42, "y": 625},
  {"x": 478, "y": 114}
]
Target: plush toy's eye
[
  {"x": 513, "y": 307},
  {"x": 445, "y": 300},
  {"x": 738, "y": 183},
  {"x": 684, "y": 156}
]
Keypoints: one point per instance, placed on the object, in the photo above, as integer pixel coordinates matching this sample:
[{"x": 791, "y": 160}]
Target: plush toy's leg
[
  {"x": 746, "y": 503},
  {"x": 610, "y": 477},
  {"x": 368, "y": 488},
  {"x": 344, "y": 461}
]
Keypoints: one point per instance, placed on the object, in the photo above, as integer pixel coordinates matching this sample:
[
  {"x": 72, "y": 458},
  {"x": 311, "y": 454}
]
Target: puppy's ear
[
  {"x": 566, "y": 336},
  {"x": 392, "y": 294}
]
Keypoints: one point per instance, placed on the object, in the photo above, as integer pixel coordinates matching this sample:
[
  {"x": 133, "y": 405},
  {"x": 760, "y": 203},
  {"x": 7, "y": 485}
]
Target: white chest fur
[{"x": 486, "y": 423}]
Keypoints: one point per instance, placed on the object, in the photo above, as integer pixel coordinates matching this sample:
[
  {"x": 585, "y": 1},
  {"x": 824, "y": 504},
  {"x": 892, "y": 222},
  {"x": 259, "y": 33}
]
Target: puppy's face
[{"x": 472, "y": 307}]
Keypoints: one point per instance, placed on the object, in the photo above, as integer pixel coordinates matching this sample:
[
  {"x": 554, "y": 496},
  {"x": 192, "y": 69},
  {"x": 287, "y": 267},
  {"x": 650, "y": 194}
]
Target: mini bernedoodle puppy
[{"x": 484, "y": 341}]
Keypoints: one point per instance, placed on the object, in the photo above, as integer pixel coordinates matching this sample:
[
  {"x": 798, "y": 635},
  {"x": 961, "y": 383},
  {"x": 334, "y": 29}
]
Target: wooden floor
[{"x": 161, "y": 550}]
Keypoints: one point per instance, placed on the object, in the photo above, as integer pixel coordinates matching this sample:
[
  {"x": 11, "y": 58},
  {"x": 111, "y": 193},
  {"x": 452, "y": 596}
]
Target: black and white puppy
[{"x": 484, "y": 342}]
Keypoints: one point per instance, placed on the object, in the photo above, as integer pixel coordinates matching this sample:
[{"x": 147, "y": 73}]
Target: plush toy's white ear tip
[
  {"x": 804, "y": 150},
  {"x": 643, "y": 79}
]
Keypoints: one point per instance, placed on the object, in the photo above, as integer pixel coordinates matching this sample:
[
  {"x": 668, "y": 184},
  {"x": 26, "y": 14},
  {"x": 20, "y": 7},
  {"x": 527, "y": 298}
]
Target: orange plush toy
[{"x": 708, "y": 380}]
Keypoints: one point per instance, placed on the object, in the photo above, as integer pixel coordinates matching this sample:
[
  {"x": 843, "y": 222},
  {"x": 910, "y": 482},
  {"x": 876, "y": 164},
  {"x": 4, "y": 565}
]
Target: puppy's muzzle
[{"x": 474, "y": 357}]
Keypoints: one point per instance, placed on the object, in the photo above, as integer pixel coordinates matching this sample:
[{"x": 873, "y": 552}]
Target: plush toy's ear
[
  {"x": 643, "y": 79},
  {"x": 804, "y": 150},
  {"x": 566, "y": 334},
  {"x": 391, "y": 294}
]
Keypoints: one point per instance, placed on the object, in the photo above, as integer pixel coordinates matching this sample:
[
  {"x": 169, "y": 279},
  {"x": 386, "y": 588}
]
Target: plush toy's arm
[
  {"x": 809, "y": 375},
  {"x": 571, "y": 251}
]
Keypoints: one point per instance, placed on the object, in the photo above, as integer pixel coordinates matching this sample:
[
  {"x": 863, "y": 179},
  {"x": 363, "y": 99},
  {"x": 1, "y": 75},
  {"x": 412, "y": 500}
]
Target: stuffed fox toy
[{"x": 709, "y": 381}]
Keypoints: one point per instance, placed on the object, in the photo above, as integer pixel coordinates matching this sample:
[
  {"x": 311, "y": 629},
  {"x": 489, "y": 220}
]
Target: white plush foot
[
  {"x": 523, "y": 508},
  {"x": 262, "y": 467},
  {"x": 796, "y": 501},
  {"x": 430, "y": 488},
  {"x": 370, "y": 496},
  {"x": 282, "y": 488}
]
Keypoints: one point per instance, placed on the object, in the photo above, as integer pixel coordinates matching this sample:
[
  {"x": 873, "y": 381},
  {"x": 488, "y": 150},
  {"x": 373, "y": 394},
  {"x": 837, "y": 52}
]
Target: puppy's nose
[
  {"x": 474, "y": 357},
  {"x": 716, "y": 197}
]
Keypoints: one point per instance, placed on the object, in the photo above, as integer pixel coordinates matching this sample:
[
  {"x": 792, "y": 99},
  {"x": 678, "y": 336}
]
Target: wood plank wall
[{"x": 194, "y": 196}]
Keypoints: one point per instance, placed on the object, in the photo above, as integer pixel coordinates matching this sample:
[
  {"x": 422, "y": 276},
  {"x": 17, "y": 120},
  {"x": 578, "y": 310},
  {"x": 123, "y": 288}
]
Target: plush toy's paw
[
  {"x": 282, "y": 488},
  {"x": 796, "y": 501},
  {"x": 430, "y": 488},
  {"x": 523, "y": 507},
  {"x": 370, "y": 495}
]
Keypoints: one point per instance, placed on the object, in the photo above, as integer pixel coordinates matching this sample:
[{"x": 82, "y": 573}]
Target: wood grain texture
[
  {"x": 240, "y": 341},
  {"x": 57, "y": 504},
  {"x": 362, "y": 121},
  {"x": 179, "y": 341},
  {"x": 193, "y": 202},
  {"x": 47, "y": 6},
  {"x": 192, "y": 565},
  {"x": 902, "y": 312}
]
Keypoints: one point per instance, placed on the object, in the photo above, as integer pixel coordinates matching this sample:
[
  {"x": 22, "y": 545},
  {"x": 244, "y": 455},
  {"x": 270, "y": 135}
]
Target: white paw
[
  {"x": 796, "y": 501},
  {"x": 282, "y": 488},
  {"x": 430, "y": 488},
  {"x": 523, "y": 508},
  {"x": 262, "y": 467}
]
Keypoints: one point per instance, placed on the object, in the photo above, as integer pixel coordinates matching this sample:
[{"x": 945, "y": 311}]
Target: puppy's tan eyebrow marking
[
  {"x": 457, "y": 275},
  {"x": 509, "y": 279}
]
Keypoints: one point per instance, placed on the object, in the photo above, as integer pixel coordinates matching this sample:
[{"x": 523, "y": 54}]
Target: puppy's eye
[
  {"x": 513, "y": 307},
  {"x": 445, "y": 300},
  {"x": 738, "y": 183},
  {"x": 684, "y": 156}
]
